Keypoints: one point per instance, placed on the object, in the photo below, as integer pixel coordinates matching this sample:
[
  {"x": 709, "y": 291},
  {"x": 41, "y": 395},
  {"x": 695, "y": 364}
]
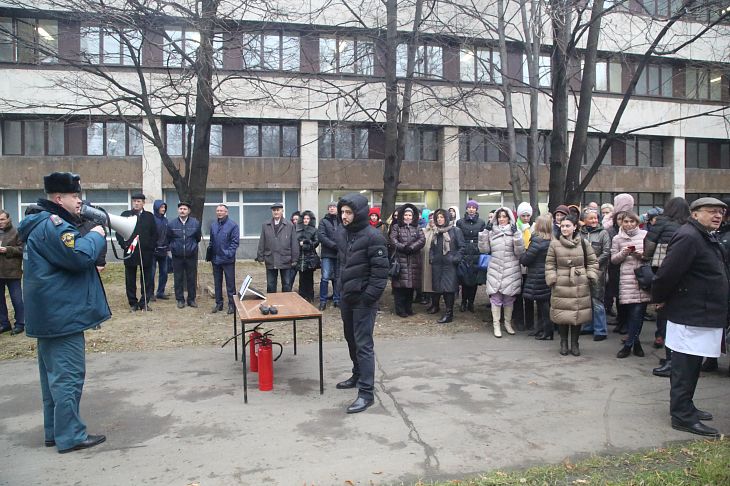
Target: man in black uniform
[
  {"x": 147, "y": 230},
  {"x": 363, "y": 260}
]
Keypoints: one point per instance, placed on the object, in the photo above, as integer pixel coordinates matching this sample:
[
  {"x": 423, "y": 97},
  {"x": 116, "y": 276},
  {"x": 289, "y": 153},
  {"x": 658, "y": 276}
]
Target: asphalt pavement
[{"x": 447, "y": 407}]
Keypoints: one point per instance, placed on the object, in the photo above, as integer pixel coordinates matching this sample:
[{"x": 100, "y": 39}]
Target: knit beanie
[
  {"x": 472, "y": 202},
  {"x": 524, "y": 208},
  {"x": 623, "y": 202}
]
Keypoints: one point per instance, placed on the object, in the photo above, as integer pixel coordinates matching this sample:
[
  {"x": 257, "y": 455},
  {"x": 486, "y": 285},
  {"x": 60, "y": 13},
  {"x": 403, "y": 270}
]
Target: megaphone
[{"x": 124, "y": 226}]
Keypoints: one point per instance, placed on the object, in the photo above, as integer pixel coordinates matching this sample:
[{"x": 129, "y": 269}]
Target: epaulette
[{"x": 56, "y": 220}]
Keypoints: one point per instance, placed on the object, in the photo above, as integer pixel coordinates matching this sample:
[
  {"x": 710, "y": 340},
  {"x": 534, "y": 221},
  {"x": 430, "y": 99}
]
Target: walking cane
[{"x": 144, "y": 286}]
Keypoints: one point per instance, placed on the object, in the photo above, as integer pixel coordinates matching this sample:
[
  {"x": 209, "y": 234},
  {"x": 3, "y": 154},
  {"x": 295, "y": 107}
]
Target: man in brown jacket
[
  {"x": 278, "y": 249},
  {"x": 11, "y": 271}
]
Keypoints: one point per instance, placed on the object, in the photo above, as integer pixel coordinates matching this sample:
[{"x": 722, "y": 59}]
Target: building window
[
  {"x": 180, "y": 47},
  {"x": 422, "y": 144},
  {"x": 346, "y": 55},
  {"x": 343, "y": 142},
  {"x": 113, "y": 139},
  {"x": 428, "y": 61},
  {"x": 481, "y": 65},
  {"x": 267, "y": 140},
  {"x": 543, "y": 71},
  {"x": 272, "y": 51},
  {"x": 661, "y": 8},
  {"x": 703, "y": 84},
  {"x": 644, "y": 152},
  {"x": 101, "y": 45},
  {"x": 608, "y": 76},
  {"x": 593, "y": 146},
  {"x": 33, "y": 137},
  {"x": 176, "y": 139},
  {"x": 655, "y": 80},
  {"x": 28, "y": 40},
  {"x": 700, "y": 154}
]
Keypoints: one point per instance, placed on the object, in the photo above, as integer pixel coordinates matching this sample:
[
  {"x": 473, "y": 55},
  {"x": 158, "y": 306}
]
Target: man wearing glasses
[{"x": 692, "y": 284}]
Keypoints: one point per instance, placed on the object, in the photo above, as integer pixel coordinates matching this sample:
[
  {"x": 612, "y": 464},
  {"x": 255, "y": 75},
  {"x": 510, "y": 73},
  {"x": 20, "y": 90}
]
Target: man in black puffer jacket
[{"x": 363, "y": 260}]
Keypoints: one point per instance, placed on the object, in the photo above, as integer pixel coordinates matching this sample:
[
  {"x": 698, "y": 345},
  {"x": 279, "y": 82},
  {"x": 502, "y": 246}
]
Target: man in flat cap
[
  {"x": 692, "y": 284},
  {"x": 146, "y": 229},
  {"x": 65, "y": 298},
  {"x": 278, "y": 249},
  {"x": 183, "y": 236}
]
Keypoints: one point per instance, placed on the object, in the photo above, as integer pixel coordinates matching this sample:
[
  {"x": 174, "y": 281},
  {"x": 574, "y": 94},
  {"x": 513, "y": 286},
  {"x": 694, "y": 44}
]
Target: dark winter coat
[
  {"x": 535, "y": 287},
  {"x": 723, "y": 234},
  {"x": 657, "y": 240},
  {"x": 362, "y": 256},
  {"x": 146, "y": 228},
  {"x": 61, "y": 287},
  {"x": 328, "y": 227},
  {"x": 308, "y": 239},
  {"x": 408, "y": 240},
  {"x": 224, "y": 241},
  {"x": 161, "y": 247},
  {"x": 11, "y": 262},
  {"x": 601, "y": 244},
  {"x": 470, "y": 229},
  {"x": 278, "y": 245},
  {"x": 184, "y": 238},
  {"x": 693, "y": 280},
  {"x": 443, "y": 267}
]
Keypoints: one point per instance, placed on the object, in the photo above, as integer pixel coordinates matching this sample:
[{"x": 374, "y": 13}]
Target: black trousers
[
  {"x": 130, "y": 281},
  {"x": 543, "y": 316},
  {"x": 685, "y": 374},
  {"x": 403, "y": 299},
  {"x": 229, "y": 270},
  {"x": 186, "y": 273},
  {"x": 468, "y": 293},
  {"x": 358, "y": 324},
  {"x": 306, "y": 284},
  {"x": 272, "y": 277}
]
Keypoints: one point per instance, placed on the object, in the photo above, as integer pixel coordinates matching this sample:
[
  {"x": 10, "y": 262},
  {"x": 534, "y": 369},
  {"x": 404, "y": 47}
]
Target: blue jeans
[
  {"x": 16, "y": 297},
  {"x": 598, "y": 325},
  {"x": 635, "y": 321},
  {"x": 329, "y": 272},
  {"x": 160, "y": 261}
]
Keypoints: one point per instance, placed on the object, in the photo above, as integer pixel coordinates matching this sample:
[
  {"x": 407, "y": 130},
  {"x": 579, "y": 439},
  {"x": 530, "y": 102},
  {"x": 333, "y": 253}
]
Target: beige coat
[
  {"x": 506, "y": 246},
  {"x": 570, "y": 280},
  {"x": 426, "y": 276},
  {"x": 628, "y": 287}
]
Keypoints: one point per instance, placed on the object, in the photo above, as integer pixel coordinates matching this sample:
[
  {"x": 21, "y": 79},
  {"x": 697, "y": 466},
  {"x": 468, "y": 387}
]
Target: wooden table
[{"x": 291, "y": 307}]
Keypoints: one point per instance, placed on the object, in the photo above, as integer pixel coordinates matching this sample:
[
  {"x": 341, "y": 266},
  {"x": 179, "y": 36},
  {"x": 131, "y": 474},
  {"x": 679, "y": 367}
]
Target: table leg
[
  {"x": 295, "y": 337},
  {"x": 321, "y": 370},
  {"x": 235, "y": 339},
  {"x": 243, "y": 361}
]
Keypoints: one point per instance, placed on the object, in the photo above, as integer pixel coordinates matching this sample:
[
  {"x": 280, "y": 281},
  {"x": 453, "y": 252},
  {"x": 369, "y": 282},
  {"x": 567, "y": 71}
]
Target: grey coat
[
  {"x": 278, "y": 249},
  {"x": 506, "y": 246},
  {"x": 601, "y": 243}
]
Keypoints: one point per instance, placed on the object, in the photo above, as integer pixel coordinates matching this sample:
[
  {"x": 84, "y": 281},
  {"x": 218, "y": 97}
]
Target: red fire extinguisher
[
  {"x": 253, "y": 346},
  {"x": 266, "y": 361}
]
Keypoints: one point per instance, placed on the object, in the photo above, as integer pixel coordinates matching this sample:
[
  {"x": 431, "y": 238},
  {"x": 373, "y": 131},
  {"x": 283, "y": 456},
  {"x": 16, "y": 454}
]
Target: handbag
[
  {"x": 394, "y": 270},
  {"x": 659, "y": 254},
  {"x": 483, "y": 262},
  {"x": 644, "y": 275}
]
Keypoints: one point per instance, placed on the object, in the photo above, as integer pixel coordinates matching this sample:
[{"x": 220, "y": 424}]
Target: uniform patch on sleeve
[
  {"x": 56, "y": 219},
  {"x": 68, "y": 239},
  {"x": 381, "y": 252}
]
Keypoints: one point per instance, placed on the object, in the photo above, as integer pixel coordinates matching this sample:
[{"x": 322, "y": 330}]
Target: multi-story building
[{"x": 306, "y": 121}]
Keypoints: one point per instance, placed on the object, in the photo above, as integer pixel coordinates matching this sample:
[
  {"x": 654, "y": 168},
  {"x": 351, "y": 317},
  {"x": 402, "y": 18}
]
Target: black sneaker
[{"x": 180, "y": 304}]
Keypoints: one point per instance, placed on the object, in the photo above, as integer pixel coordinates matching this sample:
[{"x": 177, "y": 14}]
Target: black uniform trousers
[
  {"x": 358, "y": 324},
  {"x": 685, "y": 374},
  {"x": 186, "y": 275},
  {"x": 130, "y": 281}
]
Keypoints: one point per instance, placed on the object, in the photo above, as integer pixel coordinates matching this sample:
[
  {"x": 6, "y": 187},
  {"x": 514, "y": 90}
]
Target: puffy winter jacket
[
  {"x": 443, "y": 267},
  {"x": 658, "y": 238},
  {"x": 362, "y": 256},
  {"x": 601, "y": 243},
  {"x": 328, "y": 227},
  {"x": 408, "y": 240},
  {"x": 504, "y": 274},
  {"x": 308, "y": 239},
  {"x": 184, "y": 238},
  {"x": 535, "y": 287},
  {"x": 470, "y": 229},
  {"x": 628, "y": 286},
  {"x": 570, "y": 280},
  {"x": 224, "y": 241}
]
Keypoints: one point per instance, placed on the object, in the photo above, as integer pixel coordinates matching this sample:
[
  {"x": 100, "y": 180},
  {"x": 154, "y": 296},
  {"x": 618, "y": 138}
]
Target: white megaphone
[{"x": 123, "y": 225}]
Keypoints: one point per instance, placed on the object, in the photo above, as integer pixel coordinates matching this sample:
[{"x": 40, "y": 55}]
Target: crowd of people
[{"x": 564, "y": 271}]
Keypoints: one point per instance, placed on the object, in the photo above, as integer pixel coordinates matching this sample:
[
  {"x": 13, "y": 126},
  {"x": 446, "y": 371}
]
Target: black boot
[
  {"x": 449, "y": 314},
  {"x": 400, "y": 310},
  {"x": 563, "y": 330},
  {"x": 665, "y": 371},
  {"x": 462, "y": 308},
  {"x": 435, "y": 299},
  {"x": 574, "y": 335}
]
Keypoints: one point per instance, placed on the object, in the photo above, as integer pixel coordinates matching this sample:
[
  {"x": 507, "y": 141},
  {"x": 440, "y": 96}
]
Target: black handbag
[
  {"x": 394, "y": 270},
  {"x": 644, "y": 275}
]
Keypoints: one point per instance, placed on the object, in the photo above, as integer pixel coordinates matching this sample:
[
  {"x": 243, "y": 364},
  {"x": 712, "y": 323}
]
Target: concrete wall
[{"x": 96, "y": 172}]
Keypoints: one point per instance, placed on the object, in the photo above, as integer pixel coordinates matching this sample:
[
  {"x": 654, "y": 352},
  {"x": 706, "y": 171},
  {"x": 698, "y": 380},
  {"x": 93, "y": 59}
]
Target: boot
[
  {"x": 470, "y": 305},
  {"x": 462, "y": 308},
  {"x": 496, "y": 314},
  {"x": 563, "y": 329},
  {"x": 574, "y": 336},
  {"x": 508, "y": 320},
  {"x": 435, "y": 298},
  {"x": 665, "y": 370},
  {"x": 449, "y": 314}
]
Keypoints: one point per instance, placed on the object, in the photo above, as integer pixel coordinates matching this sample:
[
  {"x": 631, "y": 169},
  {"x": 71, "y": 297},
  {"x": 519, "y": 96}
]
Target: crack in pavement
[
  {"x": 431, "y": 462},
  {"x": 606, "y": 425}
]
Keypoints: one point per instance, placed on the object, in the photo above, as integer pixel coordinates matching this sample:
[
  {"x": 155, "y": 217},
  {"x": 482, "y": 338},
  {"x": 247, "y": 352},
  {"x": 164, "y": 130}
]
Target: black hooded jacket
[
  {"x": 308, "y": 238},
  {"x": 362, "y": 256}
]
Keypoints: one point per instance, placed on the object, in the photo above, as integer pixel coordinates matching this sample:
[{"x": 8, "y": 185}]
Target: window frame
[
  {"x": 35, "y": 44},
  {"x": 23, "y": 138},
  {"x": 259, "y": 39}
]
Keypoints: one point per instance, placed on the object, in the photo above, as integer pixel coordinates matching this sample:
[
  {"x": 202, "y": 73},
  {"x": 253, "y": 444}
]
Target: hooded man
[
  {"x": 363, "y": 260},
  {"x": 68, "y": 298},
  {"x": 159, "y": 211}
]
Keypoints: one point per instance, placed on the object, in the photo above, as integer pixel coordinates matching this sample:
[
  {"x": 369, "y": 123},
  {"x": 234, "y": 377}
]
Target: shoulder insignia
[
  {"x": 56, "y": 220},
  {"x": 68, "y": 239},
  {"x": 381, "y": 252}
]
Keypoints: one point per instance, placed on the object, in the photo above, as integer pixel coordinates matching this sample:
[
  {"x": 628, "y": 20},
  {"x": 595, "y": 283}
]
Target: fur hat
[
  {"x": 138, "y": 195},
  {"x": 62, "y": 182},
  {"x": 524, "y": 208},
  {"x": 623, "y": 202}
]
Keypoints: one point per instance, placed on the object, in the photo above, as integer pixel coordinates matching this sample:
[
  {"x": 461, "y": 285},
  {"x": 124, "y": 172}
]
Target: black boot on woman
[
  {"x": 434, "y": 308},
  {"x": 449, "y": 314},
  {"x": 574, "y": 335},
  {"x": 563, "y": 330}
]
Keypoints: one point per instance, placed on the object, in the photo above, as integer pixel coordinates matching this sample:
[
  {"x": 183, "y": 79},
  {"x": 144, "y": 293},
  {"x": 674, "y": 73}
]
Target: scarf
[
  {"x": 444, "y": 230},
  {"x": 630, "y": 233}
]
